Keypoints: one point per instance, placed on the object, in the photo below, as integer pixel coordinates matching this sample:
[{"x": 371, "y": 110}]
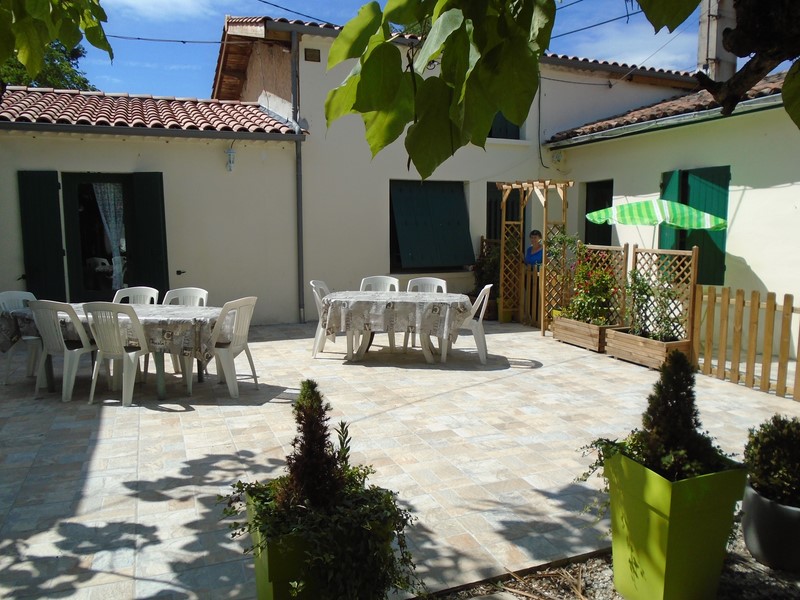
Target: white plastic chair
[
  {"x": 47, "y": 315},
  {"x": 424, "y": 284},
  {"x": 379, "y": 283},
  {"x": 475, "y": 324},
  {"x": 226, "y": 352},
  {"x": 110, "y": 323},
  {"x": 140, "y": 294},
  {"x": 320, "y": 289},
  {"x": 185, "y": 296},
  {"x": 15, "y": 300}
]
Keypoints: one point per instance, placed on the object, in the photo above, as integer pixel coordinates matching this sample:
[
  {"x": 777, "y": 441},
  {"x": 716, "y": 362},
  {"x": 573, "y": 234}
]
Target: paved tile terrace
[{"x": 103, "y": 501}]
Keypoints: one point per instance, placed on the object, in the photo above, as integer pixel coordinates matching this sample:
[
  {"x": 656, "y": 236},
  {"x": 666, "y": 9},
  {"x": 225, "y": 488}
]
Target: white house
[
  {"x": 743, "y": 167},
  {"x": 300, "y": 201}
]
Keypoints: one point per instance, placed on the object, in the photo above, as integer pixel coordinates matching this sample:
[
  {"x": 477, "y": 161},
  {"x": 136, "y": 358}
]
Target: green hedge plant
[{"x": 772, "y": 458}]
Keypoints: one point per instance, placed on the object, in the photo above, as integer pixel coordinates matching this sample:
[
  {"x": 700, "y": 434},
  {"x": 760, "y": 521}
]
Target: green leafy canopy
[
  {"x": 28, "y": 27},
  {"x": 475, "y": 58}
]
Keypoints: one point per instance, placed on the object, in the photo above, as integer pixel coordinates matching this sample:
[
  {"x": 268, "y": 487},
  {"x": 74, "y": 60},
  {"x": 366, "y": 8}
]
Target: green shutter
[
  {"x": 669, "y": 237},
  {"x": 146, "y": 233},
  {"x": 431, "y": 224},
  {"x": 42, "y": 244},
  {"x": 707, "y": 190},
  {"x": 599, "y": 195}
]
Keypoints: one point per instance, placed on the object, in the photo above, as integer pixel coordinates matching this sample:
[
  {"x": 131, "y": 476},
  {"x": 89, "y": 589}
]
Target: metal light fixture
[{"x": 231, "y": 158}]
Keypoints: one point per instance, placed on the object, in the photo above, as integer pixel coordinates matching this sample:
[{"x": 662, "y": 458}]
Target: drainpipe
[{"x": 298, "y": 169}]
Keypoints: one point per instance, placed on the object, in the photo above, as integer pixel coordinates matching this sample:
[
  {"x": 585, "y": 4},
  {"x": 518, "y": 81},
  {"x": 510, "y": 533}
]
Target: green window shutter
[
  {"x": 431, "y": 224},
  {"x": 707, "y": 190},
  {"x": 599, "y": 195},
  {"x": 669, "y": 237},
  {"x": 146, "y": 232},
  {"x": 42, "y": 244}
]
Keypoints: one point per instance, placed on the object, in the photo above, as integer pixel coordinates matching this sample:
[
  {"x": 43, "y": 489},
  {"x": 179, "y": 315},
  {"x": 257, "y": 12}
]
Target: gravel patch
[{"x": 743, "y": 578}]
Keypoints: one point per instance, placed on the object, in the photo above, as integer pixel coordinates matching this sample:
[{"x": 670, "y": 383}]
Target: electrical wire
[
  {"x": 626, "y": 16},
  {"x": 294, "y": 12}
]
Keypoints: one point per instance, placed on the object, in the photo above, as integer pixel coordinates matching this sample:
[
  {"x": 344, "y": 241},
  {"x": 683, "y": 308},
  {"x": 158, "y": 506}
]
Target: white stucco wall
[
  {"x": 346, "y": 191},
  {"x": 232, "y": 232},
  {"x": 761, "y": 149}
]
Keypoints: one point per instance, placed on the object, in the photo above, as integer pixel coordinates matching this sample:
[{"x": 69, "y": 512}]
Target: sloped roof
[
  {"x": 98, "y": 112},
  {"x": 239, "y": 33},
  {"x": 691, "y": 103}
]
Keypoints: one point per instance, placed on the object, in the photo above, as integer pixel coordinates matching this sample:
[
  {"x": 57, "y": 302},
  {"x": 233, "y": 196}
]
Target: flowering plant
[{"x": 595, "y": 287}]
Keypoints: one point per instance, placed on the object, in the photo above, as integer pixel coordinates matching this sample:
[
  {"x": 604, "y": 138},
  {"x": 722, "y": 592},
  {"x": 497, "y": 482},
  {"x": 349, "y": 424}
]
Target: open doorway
[{"x": 103, "y": 247}]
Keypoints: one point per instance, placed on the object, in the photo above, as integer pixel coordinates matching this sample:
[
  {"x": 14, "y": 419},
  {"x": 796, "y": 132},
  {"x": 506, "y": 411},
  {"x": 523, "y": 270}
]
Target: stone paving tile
[{"x": 101, "y": 501}]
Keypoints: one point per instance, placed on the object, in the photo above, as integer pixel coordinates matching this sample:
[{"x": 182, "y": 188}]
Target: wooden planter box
[
  {"x": 642, "y": 350},
  {"x": 578, "y": 333}
]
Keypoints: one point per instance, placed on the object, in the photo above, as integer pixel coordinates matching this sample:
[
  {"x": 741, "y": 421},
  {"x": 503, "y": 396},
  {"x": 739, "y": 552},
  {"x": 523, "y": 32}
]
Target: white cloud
[{"x": 634, "y": 44}]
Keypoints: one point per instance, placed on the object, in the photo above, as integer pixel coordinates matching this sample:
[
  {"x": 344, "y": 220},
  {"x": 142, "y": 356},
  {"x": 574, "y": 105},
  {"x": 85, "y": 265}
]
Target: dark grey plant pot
[{"x": 771, "y": 531}]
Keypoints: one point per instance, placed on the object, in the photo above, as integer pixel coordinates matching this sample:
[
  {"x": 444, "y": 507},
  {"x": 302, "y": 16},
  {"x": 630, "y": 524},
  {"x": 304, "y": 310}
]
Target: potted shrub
[
  {"x": 771, "y": 507},
  {"x": 655, "y": 328},
  {"x": 320, "y": 531},
  {"x": 487, "y": 270},
  {"x": 591, "y": 310},
  {"x": 672, "y": 495}
]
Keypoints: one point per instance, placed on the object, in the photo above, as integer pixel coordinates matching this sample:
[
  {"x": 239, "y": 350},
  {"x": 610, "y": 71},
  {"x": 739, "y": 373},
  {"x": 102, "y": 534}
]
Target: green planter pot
[
  {"x": 279, "y": 564},
  {"x": 668, "y": 539}
]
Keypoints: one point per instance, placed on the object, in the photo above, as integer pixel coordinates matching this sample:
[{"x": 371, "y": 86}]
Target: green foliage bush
[
  {"x": 670, "y": 441},
  {"x": 595, "y": 286},
  {"x": 487, "y": 270},
  {"x": 650, "y": 308},
  {"x": 772, "y": 458},
  {"x": 354, "y": 533}
]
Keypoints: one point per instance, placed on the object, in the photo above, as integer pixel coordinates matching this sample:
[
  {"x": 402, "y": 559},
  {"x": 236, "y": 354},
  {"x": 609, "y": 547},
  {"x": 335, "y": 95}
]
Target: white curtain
[{"x": 109, "y": 201}]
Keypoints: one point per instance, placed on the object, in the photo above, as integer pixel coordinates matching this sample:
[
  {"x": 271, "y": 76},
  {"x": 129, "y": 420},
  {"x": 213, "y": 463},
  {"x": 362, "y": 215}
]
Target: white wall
[
  {"x": 232, "y": 232},
  {"x": 764, "y": 200},
  {"x": 346, "y": 191}
]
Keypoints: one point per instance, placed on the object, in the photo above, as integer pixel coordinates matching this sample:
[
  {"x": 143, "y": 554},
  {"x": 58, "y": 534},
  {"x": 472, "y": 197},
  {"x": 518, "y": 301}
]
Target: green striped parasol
[{"x": 655, "y": 212}]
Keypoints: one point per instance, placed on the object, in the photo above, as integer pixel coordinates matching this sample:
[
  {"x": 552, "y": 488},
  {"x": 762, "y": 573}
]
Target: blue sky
[{"x": 186, "y": 70}]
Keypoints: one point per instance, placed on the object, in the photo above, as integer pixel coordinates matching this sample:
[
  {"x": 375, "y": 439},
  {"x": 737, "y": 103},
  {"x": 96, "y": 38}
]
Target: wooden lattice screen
[
  {"x": 614, "y": 258},
  {"x": 671, "y": 276},
  {"x": 512, "y": 250},
  {"x": 556, "y": 288}
]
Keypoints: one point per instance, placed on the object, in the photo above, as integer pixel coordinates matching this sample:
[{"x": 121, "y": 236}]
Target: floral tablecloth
[{"x": 426, "y": 313}]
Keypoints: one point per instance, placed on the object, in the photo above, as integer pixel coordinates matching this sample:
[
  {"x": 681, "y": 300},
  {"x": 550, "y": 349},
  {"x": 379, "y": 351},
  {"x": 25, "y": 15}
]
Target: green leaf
[
  {"x": 669, "y": 14},
  {"x": 478, "y": 110},
  {"x": 441, "y": 29},
  {"x": 458, "y": 63},
  {"x": 340, "y": 100},
  {"x": 38, "y": 9},
  {"x": 381, "y": 74},
  {"x": 791, "y": 92},
  {"x": 385, "y": 126},
  {"x": 6, "y": 35},
  {"x": 30, "y": 38},
  {"x": 510, "y": 74},
  {"x": 352, "y": 40},
  {"x": 433, "y": 138},
  {"x": 69, "y": 34},
  {"x": 404, "y": 12},
  {"x": 97, "y": 38},
  {"x": 544, "y": 17}
]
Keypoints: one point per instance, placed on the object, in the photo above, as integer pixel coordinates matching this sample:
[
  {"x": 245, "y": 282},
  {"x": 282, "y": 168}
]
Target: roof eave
[
  {"x": 149, "y": 132},
  {"x": 748, "y": 106}
]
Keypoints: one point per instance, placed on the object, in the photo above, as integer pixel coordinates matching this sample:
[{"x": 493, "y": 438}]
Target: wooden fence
[
  {"x": 530, "y": 296},
  {"x": 746, "y": 341}
]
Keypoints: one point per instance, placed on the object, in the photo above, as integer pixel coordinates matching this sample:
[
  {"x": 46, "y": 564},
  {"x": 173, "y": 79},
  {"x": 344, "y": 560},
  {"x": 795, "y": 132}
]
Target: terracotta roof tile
[
  {"x": 590, "y": 62},
  {"x": 97, "y": 109},
  {"x": 691, "y": 103},
  {"x": 295, "y": 22}
]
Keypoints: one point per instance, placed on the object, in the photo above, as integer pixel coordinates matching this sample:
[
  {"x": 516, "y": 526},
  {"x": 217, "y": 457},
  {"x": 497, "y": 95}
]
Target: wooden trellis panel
[
  {"x": 614, "y": 258},
  {"x": 675, "y": 270},
  {"x": 512, "y": 251},
  {"x": 556, "y": 282}
]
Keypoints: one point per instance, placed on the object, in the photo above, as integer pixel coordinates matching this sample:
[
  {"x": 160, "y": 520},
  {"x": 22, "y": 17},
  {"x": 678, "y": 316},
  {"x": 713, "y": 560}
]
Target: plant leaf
[
  {"x": 354, "y": 37},
  {"x": 433, "y": 138},
  {"x": 340, "y": 100},
  {"x": 381, "y": 73},
  {"x": 791, "y": 92},
  {"x": 669, "y": 14},
  {"x": 384, "y": 126},
  {"x": 441, "y": 29}
]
